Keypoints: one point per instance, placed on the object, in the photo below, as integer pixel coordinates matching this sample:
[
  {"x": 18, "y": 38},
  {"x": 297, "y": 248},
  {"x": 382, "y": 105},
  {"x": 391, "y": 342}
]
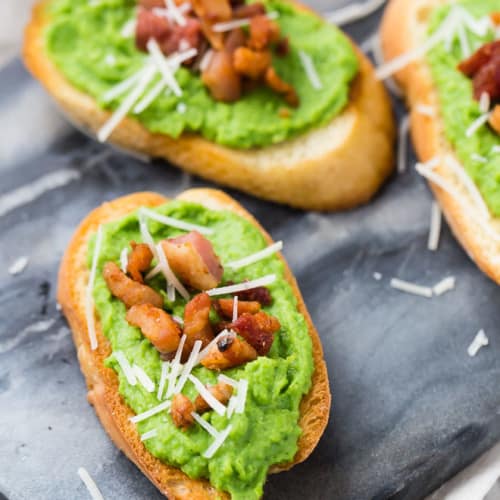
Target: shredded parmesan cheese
[
  {"x": 310, "y": 70},
  {"x": 354, "y": 12},
  {"x": 124, "y": 259},
  {"x": 478, "y": 158},
  {"x": 425, "y": 110},
  {"x": 171, "y": 277},
  {"x": 143, "y": 378},
  {"x": 18, "y": 266},
  {"x": 247, "y": 285},
  {"x": 218, "y": 442},
  {"x": 205, "y": 62},
  {"x": 163, "y": 67},
  {"x": 122, "y": 87},
  {"x": 163, "y": 379},
  {"x": 262, "y": 254},
  {"x": 444, "y": 286},
  {"x": 153, "y": 411},
  {"x": 228, "y": 380},
  {"x": 213, "y": 402},
  {"x": 89, "y": 299},
  {"x": 411, "y": 288},
  {"x": 90, "y": 484},
  {"x": 233, "y": 401},
  {"x": 203, "y": 423},
  {"x": 146, "y": 101},
  {"x": 242, "y": 395},
  {"x": 435, "y": 227},
  {"x": 477, "y": 124},
  {"x": 175, "y": 367},
  {"x": 404, "y": 128},
  {"x": 127, "y": 104},
  {"x": 178, "y": 319},
  {"x": 238, "y": 23},
  {"x": 126, "y": 368},
  {"x": 190, "y": 364},
  {"x": 484, "y": 102},
  {"x": 150, "y": 434},
  {"x": 128, "y": 29},
  {"x": 235, "y": 308},
  {"x": 480, "y": 340},
  {"x": 469, "y": 185},
  {"x": 179, "y": 224},
  {"x": 429, "y": 174},
  {"x": 175, "y": 12},
  {"x": 495, "y": 150}
]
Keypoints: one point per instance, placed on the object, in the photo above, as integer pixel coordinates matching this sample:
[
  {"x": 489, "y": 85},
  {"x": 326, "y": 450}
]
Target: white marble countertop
[{"x": 471, "y": 484}]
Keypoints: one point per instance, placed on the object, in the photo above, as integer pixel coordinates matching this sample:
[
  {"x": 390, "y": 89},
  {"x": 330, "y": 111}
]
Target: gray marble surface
[{"x": 410, "y": 408}]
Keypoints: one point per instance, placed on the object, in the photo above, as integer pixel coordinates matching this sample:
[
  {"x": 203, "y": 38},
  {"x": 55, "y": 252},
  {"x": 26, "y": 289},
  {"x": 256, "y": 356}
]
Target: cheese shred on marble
[
  {"x": 411, "y": 288},
  {"x": 480, "y": 340},
  {"x": 90, "y": 484}
]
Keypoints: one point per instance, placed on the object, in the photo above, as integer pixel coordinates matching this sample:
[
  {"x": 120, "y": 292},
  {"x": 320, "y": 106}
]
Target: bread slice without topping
[
  {"x": 102, "y": 382},
  {"x": 403, "y": 29},
  {"x": 334, "y": 167}
]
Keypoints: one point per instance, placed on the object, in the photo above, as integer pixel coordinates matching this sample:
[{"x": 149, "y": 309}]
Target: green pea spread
[
  {"x": 267, "y": 432},
  {"x": 459, "y": 109},
  {"x": 85, "y": 41}
]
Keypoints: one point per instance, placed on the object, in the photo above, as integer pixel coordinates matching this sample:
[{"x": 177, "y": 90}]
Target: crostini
[
  {"x": 267, "y": 98},
  {"x": 443, "y": 55},
  {"x": 200, "y": 357}
]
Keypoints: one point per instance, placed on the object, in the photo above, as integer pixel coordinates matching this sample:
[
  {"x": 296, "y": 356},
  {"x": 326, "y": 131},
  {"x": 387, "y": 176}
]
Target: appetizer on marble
[
  {"x": 265, "y": 97},
  {"x": 200, "y": 357},
  {"x": 446, "y": 58}
]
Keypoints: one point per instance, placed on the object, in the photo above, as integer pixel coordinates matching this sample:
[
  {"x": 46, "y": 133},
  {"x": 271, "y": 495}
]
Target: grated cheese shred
[
  {"x": 213, "y": 402},
  {"x": 256, "y": 257},
  {"x": 435, "y": 227},
  {"x": 411, "y": 288},
  {"x": 310, "y": 70},
  {"x": 90, "y": 484},
  {"x": 354, "y": 12},
  {"x": 247, "y": 285},
  {"x": 126, "y": 368},
  {"x": 480, "y": 340},
  {"x": 143, "y": 378},
  {"x": 149, "y": 413}
]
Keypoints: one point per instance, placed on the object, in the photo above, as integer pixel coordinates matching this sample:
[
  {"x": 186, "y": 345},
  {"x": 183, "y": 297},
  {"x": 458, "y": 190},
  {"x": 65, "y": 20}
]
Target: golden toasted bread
[{"x": 102, "y": 382}]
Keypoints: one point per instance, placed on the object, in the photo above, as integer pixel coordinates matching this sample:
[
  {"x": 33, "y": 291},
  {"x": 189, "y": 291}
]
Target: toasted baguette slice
[
  {"x": 331, "y": 168},
  {"x": 404, "y": 28},
  {"x": 102, "y": 382}
]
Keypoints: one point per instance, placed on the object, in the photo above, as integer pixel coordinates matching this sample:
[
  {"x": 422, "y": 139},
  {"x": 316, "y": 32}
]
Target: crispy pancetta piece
[
  {"x": 212, "y": 12},
  {"x": 258, "y": 330},
  {"x": 281, "y": 87},
  {"x": 139, "y": 260},
  {"x": 197, "y": 322},
  {"x": 226, "y": 306},
  {"x": 221, "y": 392},
  {"x": 251, "y": 63},
  {"x": 249, "y": 10},
  {"x": 228, "y": 352},
  {"x": 263, "y": 32},
  {"x": 181, "y": 411},
  {"x": 193, "y": 260},
  {"x": 260, "y": 294},
  {"x": 157, "y": 326},
  {"x": 130, "y": 292},
  {"x": 495, "y": 119},
  {"x": 221, "y": 79}
]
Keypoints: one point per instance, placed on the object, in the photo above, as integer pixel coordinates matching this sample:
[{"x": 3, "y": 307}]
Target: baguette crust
[
  {"x": 335, "y": 167},
  {"x": 102, "y": 382},
  {"x": 403, "y": 29}
]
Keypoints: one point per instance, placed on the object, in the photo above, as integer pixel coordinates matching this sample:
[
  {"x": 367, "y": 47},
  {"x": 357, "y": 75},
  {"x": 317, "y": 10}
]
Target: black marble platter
[{"x": 410, "y": 407}]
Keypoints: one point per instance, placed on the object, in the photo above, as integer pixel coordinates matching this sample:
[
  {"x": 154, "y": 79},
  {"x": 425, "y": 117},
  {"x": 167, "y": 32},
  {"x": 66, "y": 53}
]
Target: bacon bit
[
  {"x": 227, "y": 353},
  {"x": 151, "y": 4},
  {"x": 211, "y": 12},
  {"x": 221, "y": 392},
  {"x": 157, "y": 326},
  {"x": 169, "y": 35},
  {"x": 139, "y": 260},
  {"x": 258, "y": 330},
  {"x": 495, "y": 119},
  {"x": 261, "y": 294},
  {"x": 283, "y": 47},
  {"x": 251, "y": 63},
  {"x": 281, "y": 87},
  {"x": 127, "y": 290},
  {"x": 247, "y": 11},
  {"x": 263, "y": 32},
  {"x": 197, "y": 322},
  {"x": 225, "y": 307},
  {"x": 221, "y": 78},
  {"x": 484, "y": 69},
  {"x": 235, "y": 38},
  {"x": 181, "y": 410},
  {"x": 495, "y": 17},
  {"x": 284, "y": 113},
  {"x": 193, "y": 260}
]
